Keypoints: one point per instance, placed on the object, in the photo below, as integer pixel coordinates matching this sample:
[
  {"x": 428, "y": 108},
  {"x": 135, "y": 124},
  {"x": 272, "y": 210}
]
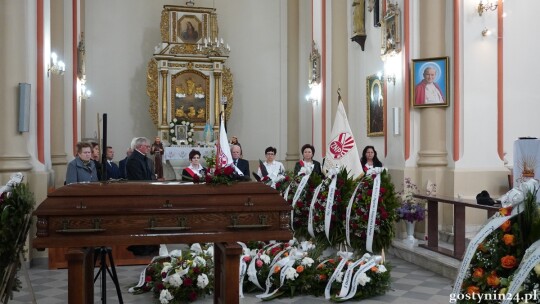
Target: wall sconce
[
  {"x": 85, "y": 93},
  {"x": 314, "y": 94},
  {"x": 391, "y": 78},
  {"x": 486, "y": 7},
  {"x": 56, "y": 66},
  {"x": 486, "y": 32}
]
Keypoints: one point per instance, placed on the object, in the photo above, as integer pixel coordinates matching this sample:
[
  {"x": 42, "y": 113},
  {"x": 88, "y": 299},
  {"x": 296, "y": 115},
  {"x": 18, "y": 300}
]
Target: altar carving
[{"x": 187, "y": 78}]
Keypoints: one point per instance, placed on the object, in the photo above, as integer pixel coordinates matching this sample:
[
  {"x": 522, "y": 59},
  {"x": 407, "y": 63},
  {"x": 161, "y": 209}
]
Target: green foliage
[{"x": 15, "y": 212}]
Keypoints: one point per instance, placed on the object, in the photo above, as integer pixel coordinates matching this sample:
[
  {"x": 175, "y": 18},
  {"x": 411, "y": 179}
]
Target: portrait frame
[
  {"x": 375, "y": 106},
  {"x": 190, "y": 97},
  {"x": 180, "y": 132},
  {"x": 391, "y": 31},
  {"x": 418, "y": 96},
  {"x": 182, "y": 29}
]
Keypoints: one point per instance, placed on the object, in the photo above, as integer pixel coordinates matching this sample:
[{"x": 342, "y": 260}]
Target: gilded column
[
  {"x": 293, "y": 100},
  {"x": 432, "y": 151},
  {"x": 217, "y": 104},
  {"x": 164, "y": 90},
  {"x": 16, "y": 67}
]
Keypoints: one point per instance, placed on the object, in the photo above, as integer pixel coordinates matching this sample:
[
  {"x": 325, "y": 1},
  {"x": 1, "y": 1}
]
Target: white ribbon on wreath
[{"x": 374, "y": 205}]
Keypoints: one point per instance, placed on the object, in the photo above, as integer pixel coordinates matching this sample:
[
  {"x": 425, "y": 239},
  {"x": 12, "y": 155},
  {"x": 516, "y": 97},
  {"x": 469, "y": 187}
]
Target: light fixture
[
  {"x": 216, "y": 48},
  {"x": 486, "y": 7},
  {"x": 85, "y": 93},
  {"x": 56, "y": 66},
  {"x": 314, "y": 94},
  {"x": 486, "y": 32},
  {"x": 390, "y": 78}
]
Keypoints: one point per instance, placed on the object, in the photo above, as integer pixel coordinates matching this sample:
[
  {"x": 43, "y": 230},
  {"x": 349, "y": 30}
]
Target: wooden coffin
[
  {"x": 84, "y": 216},
  {"x": 139, "y": 213}
]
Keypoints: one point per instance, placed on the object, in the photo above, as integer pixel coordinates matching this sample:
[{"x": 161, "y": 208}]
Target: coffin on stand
[{"x": 83, "y": 216}]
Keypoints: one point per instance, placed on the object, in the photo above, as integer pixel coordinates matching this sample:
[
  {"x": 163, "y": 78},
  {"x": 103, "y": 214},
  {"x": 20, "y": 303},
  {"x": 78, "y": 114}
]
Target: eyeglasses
[
  {"x": 195, "y": 157},
  {"x": 270, "y": 153}
]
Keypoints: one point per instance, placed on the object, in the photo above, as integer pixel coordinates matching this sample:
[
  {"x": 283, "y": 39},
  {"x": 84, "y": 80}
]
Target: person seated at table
[
  {"x": 307, "y": 162},
  {"x": 271, "y": 168},
  {"x": 195, "y": 171},
  {"x": 241, "y": 166}
]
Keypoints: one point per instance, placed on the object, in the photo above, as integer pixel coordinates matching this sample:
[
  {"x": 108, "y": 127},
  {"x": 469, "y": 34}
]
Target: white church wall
[{"x": 120, "y": 39}]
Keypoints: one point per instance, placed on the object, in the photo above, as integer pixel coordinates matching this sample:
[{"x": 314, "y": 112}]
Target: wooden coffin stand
[{"x": 84, "y": 216}]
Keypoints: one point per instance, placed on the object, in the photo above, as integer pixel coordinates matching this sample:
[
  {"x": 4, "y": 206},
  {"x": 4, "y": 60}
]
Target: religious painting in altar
[
  {"x": 375, "y": 106},
  {"x": 189, "y": 29},
  {"x": 190, "y": 97}
]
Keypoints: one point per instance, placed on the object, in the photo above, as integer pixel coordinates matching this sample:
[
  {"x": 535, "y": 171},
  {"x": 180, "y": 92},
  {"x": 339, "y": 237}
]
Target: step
[{"x": 430, "y": 260}]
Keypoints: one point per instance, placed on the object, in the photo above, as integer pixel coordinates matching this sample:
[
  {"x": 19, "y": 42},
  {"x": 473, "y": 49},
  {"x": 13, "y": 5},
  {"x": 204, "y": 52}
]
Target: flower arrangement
[
  {"x": 301, "y": 206},
  {"x": 182, "y": 276},
  {"x": 386, "y": 214},
  {"x": 411, "y": 209},
  {"x": 189, "y": 128},
  {"x": 16, "y": 205}
]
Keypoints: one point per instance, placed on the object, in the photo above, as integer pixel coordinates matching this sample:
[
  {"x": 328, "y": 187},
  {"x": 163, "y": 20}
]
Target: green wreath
[{"x": 189, "y": 129}]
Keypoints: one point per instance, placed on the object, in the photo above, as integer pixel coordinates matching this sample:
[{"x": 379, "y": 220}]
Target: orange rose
[
  {"x": 506, "y": 226},
  {"x": 332, "y": 261},
  {"x": 493, "y": 279},
  {"x": 482, "y": 248},
  {"x": 277, "y": 269},
  {"x": 508, "y": 239},
  {"x": 322, "y": 277},
  {"x": 374, "y": 269},
  {"x": 299, "y": 269},
  {"x": 473, "y": 289},
  {"x": 508, "y": 262},
  {"x": 478, "y": 273},
  {"x": 321, "y": 265},
  {"x": 505, "y": 211}
]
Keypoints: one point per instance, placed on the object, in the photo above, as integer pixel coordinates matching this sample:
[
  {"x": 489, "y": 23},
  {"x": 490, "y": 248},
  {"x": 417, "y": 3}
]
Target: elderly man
[
  {"x": 138, "y": 166},
  {"x": 241, "y": 165},
  {"x": 428, "y": 91}
]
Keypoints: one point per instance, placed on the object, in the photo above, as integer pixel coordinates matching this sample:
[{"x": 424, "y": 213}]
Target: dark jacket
[
  {"x": 137, "y": 167},
  {"x": 316, "y": 167},
  {"x": 243, "y": 165}
]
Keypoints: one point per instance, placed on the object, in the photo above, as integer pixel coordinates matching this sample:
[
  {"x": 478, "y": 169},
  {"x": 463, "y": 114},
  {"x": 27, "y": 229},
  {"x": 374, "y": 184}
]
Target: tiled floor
[{"x": 410, "y": 284}]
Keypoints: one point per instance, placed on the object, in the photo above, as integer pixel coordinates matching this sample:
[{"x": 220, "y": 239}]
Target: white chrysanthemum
[
  {"x": 363, "y": 279},
  {"x": 174, "y": 120},
  {"x": 381, "y": 269},
  {"x": 184, "y": 122},
  {"x": 189, "y": 133},
  {"x": 176, "y": 253},
  {"x": 339, "y": 277},
  {"x": 537, "y": 269},
  {"x": 200, "y": 261},
  {"x": 172, "y": 126},
  {"x": 175, "y": 280},
  {"x": 165, "y": 296},
  {"x": 173, "y": 139},
  {"x": 209, "y": 251},
  {"x": 202, "y": 281},
  {"x": 196, "y": 247},
  {"x": 192, "y": 125},
  {"x": 166, "y": 269},
  {"x": 265, "y": 258},
  {"x": 291, "y": 273},
  {"x": 307, "y": 261},
  {"x": 190, "y": 139}
]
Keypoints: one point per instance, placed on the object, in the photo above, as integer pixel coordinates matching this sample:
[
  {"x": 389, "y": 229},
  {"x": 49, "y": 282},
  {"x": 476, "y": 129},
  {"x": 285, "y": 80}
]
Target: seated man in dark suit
[
  {"x": 241, "y": 165},
  {"x": 123, "y": 162},
  {"x": 113, "y": 172}
]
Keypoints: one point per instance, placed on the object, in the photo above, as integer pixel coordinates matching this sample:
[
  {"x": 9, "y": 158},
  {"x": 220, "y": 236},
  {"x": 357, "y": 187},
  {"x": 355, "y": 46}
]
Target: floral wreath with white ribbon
[{"x": 189, "y": 131}]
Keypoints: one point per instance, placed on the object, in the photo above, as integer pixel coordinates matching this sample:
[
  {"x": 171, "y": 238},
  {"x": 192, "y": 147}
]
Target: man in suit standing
[
  {"x": 123, "y": 171},
  {"x": 241, "y": 165},
  {"x": 137, "y": 166},
  {"x": 113, "y": 172}
]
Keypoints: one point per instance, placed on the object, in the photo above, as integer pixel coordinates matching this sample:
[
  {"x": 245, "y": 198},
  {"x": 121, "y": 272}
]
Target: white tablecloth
[
  {"x": 526, "y": 156},
  {"x": 177, "y": 158}
]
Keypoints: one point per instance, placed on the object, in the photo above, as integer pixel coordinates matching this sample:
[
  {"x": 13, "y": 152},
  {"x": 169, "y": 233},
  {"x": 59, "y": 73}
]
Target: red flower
[
  {"x": 196, "y": 179},
  {"x": 148, "y": 279},
  {"x": 188, "y": 281},
  {"x": 228, "y": 170},
  {"x": 163, "y": 275},
  {"x": 160, "y": 286},
  {"x": 192, "y": 296},
  {"x": 208, "y": 179},
  {"x": 370, "y": 192},
  {"x": 196, "y": 270}
]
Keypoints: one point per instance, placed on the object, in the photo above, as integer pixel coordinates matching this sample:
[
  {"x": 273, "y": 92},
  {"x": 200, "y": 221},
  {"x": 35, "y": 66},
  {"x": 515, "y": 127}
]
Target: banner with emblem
[
  {"x": 342, "y": 150},
  {"x": 223, "y": 155}
]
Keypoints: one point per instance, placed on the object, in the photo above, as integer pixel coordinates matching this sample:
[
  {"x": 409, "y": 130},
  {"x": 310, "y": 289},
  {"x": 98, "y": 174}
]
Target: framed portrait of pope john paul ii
[{"x": 430, "y": 82}]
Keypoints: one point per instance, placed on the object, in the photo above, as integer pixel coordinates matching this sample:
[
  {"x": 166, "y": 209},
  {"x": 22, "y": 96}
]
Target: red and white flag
[
  {"x": 342, "y": 150},
  {"x": 224, "y": 157}
]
